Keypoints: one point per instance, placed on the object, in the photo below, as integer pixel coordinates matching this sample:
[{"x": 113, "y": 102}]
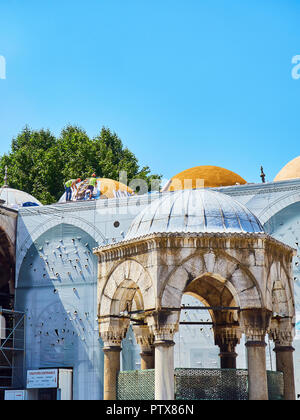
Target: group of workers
[{"x": 72, "y": 186}]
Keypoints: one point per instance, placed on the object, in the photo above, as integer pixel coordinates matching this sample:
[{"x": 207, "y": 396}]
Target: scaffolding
[{"x": 12, "y": 350}]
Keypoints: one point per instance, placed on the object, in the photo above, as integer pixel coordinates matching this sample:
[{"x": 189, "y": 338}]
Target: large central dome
[{"x": 194, "y": 211}]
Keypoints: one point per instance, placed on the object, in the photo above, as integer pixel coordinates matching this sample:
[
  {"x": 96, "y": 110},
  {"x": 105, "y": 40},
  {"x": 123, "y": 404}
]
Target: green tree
[{"x": 39, "y": 163}]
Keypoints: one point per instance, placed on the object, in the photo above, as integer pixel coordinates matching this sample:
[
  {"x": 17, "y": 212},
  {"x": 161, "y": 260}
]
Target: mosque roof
[
  {"x": 290, "y": 171},
  {"x": 213, "y": 176},
  {"x": 16, "y": 199},
  {"x": 194, "y": 211}
]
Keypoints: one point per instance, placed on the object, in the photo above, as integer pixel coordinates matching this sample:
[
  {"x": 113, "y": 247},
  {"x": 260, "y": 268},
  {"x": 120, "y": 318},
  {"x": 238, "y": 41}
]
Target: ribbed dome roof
[
  {"x": 213, "y": 176},
  {"x": 194, "y": 211},
  {"x": 290, "y": 171}
]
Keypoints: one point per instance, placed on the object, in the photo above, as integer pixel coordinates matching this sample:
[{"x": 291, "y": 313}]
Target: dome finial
[
  {"x": 5, "y": 178},
  {"x": 262, "y": 175}
]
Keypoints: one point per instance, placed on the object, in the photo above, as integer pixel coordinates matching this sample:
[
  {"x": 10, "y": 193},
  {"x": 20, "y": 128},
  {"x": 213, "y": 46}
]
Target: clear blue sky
[{"x": 182, "y": 82}]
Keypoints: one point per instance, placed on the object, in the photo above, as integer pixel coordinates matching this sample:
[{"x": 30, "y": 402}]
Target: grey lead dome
[{"x": 194, "y": 211}]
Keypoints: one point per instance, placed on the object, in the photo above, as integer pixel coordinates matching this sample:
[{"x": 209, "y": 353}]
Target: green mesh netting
[
  {"x": 136, "y": 385},
  {"x": 275, "y": 385},
  {"x": 196, "y": 384},
  {"x": 211, "y": 384}
]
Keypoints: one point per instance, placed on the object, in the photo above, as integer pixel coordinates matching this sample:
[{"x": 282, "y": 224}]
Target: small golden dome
[
  {"x": 212, "y": 176},
  {"x": 290, "y": 171}
]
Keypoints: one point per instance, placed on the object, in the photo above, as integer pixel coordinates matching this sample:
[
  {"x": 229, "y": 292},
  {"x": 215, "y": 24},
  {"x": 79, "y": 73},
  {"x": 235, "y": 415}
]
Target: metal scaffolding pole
[{"x": 12, "y": 349}]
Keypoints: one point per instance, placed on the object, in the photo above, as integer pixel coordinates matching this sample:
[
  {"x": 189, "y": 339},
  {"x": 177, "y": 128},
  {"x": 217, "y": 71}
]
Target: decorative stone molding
[{"x": 180, "y": 240}]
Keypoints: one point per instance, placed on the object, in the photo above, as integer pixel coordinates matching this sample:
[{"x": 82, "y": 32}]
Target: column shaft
[
  {"x": 285, "y": 364},
  {"x": 147, "y": 360},
  {"x": 257, "y": 373},
  {"x": 228, "y": 360},
  {"x": 164, "y": 370},
  {"x": 111, "y": 369}
]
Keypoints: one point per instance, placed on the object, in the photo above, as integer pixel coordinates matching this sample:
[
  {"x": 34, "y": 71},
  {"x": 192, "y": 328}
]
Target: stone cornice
[{"x": 148, "y": 243}]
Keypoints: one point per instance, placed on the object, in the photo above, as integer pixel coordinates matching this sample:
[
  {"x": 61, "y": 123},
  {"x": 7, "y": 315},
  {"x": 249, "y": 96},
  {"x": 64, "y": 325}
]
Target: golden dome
[
  {"x": 290, "y": 171},
  {"x": 109, "y": 188},
  {"x": 213, "y": 176}
]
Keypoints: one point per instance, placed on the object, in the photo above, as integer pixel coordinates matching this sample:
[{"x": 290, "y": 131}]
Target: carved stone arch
[
  {"x": 222, "y": 268},
  {"x": 128, "y": 282},
  {"x": 214, "y": 291}
]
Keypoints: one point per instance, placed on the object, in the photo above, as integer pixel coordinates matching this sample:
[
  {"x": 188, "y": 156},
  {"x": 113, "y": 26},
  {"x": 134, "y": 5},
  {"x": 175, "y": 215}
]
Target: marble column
[
  {"x": 257, "y": 373},
  {"x": 256, "y": 322},
  {"x": 285, "y": 364},
  {"x": 112, "y": 334},
  {"x": 164, "y": 370},
  {"x": 282, "y": 333},
  {"x": 111, "y": 369},
  {"x": 164, "y": 325}
]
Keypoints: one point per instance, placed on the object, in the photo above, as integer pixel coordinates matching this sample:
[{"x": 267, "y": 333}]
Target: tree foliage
[{"x": 39, "y": 163}]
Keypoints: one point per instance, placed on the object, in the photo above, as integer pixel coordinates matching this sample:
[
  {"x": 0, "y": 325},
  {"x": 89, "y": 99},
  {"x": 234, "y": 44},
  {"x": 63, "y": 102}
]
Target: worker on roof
[
  {"x": 92, "y": 182},
  {"x": 71, "y": 186}
]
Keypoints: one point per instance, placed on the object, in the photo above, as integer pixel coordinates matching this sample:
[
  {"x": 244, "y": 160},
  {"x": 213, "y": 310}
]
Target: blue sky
[{"x": 182, "y": 82}]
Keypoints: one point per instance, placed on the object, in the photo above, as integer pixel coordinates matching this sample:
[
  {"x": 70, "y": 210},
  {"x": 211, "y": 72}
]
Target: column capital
[
  {"x": 144, "y": 337},
  {"x": 227, "y": 335},
  {"x": 163, "y": 325},
  {"x": 226, "y": 338},
  {"x": 282, "y": 332},
  {"x": 255, "y": 323},
  {"x": 164, "y": 334},
  {"x": 111, "y": 336}
]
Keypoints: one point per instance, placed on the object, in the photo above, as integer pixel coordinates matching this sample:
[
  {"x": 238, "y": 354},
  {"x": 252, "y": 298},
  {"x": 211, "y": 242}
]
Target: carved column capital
[
  {"x": 144, "y": 337},
  {"x": 227, "y": 336},
  {"x": 111, "y": 334},
  {"x": 163, "y": 325},
  {"x": 282, "y": 332},
  {"x": 255, "y": 323}
]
